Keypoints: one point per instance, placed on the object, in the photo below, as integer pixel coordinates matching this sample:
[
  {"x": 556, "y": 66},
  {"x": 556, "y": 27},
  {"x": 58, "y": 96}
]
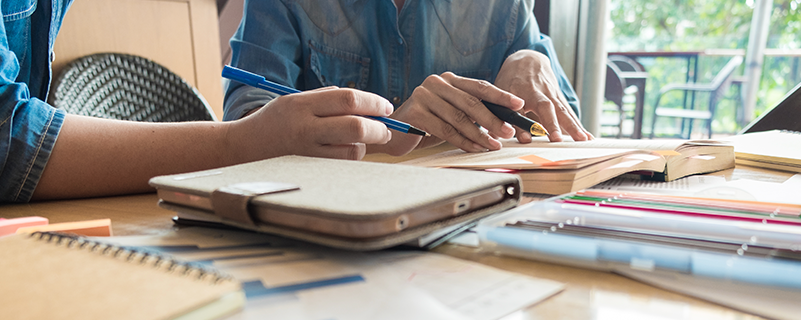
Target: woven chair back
[{"x": 127, "y": 87}]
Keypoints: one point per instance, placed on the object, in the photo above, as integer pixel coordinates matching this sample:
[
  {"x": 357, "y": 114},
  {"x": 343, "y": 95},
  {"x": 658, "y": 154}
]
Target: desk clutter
[
  {"x": 744, "y": 254},
  {"x": 288, "y": 279},
  {"x": 735, "y": 243}
]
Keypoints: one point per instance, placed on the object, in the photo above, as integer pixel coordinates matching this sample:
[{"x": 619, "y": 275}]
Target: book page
[
  {"x": 776, "y": 146},
  {"x": 521, "y": 158},
  {"x": 542, "y": 142}
]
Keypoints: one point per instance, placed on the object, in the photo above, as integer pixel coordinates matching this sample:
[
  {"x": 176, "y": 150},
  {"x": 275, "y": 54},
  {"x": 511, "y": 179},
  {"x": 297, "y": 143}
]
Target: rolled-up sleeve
[
  {"x": 266, "y": 43},
  {"x": 29, "y": 128}
]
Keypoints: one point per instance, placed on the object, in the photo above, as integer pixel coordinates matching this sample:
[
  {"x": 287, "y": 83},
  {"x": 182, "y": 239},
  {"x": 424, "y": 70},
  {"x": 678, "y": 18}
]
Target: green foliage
[{"x": 696, "y": 25}]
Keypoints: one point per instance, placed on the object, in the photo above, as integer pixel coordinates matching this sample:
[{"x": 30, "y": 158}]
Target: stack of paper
[
  {"x": 288, "y": 280},
  {"x": 769, "y": 149}
]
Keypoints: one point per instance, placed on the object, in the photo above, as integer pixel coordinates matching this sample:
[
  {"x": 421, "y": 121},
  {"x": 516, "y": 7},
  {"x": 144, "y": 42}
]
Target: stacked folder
[{"x": 740, "y": 245}]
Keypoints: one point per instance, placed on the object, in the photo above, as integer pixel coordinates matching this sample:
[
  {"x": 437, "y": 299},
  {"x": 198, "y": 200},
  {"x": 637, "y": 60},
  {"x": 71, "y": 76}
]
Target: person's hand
[
  {"x": 319, "y": 123},
  {"x": 448, "y": 107},
  {"x": 528, "y": 75}
]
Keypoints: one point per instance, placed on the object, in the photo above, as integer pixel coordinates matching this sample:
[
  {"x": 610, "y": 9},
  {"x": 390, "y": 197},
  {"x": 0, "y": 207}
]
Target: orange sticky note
[
  {"x": 89, "y": 228},
  {"x": 535, "y": 159},
  {"x": 667, "y": 152},
  {"x": 10, "y": 226}
]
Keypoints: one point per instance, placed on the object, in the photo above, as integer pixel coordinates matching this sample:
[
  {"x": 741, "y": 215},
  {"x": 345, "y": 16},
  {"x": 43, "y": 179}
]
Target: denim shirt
[
  {"x": 28, "y": 126},
  {"x": 368, "y": 45}
]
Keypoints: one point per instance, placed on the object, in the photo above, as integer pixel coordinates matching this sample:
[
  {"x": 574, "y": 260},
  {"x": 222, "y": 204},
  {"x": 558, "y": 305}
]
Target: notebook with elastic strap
[{"x": 345, "y": 204}]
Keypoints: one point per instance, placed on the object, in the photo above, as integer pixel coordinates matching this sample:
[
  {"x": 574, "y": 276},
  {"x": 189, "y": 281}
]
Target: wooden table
[{"x": 588, "y": 294}]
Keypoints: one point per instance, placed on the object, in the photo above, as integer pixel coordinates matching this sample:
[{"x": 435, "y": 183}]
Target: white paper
[
  {"x": 764, "y": 301},
  {"x": 333, "y": 284}
]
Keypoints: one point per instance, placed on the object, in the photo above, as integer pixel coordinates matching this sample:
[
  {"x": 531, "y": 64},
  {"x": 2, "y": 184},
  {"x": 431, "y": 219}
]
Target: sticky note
[
  {"x": 535, "y": 159},
  {"x": 668, "y": 152},
  {"x": 89, "y": 228},
  {"x": 10, "y": 226}
]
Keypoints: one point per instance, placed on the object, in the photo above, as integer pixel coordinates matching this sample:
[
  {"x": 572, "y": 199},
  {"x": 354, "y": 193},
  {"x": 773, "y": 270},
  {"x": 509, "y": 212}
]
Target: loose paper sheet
[{"x": 288, "y": 280}]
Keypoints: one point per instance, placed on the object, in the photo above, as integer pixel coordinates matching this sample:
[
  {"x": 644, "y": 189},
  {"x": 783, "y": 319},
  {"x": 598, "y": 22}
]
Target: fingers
[
  {"x": 350, "y": 129},
  {"x": 553, "y": 111},
  {"x": 449, "y": 106},
  {"x": 484, "y": 90},
  {"x": 448, "y": 122},
  {"x": 546, "y": 114},
  {"x": 338, "y": 102},
  {"x": 570, "y": 122},
  {"x": 529, "y": 75},
  {"x": 466, "y": 95}
]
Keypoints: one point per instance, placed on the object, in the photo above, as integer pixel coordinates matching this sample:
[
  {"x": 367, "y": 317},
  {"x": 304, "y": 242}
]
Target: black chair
[
  {"x": 716, "y": 89},
  {"x": 614, "y": 91},
  {"x": 634, "y": 76},
  {"x": 626, "y": 64},
  {"x": 620, "y": 86},
  {"x": 127, "y": 87}
]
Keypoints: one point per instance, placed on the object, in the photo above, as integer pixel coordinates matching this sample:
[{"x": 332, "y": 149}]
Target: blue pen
[{"x": 257, "y": 81}]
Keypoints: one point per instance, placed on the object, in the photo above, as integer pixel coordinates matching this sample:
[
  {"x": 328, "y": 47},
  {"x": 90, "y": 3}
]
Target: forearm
[{"x": 98, "y": 157}]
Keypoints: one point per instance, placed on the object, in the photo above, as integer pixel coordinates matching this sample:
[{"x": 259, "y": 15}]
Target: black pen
[{"x": 517, "y": 119}]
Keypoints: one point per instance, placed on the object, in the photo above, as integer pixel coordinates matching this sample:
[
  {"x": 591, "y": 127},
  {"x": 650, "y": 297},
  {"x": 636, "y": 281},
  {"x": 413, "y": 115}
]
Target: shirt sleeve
[
  {"x": 28, "y": 130},
  {"x": 267, "y": 43},
  {"x": 529, "y": 37}
]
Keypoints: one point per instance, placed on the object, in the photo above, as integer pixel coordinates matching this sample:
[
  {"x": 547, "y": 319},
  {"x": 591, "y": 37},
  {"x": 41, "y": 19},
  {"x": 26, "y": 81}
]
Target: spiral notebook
[{"x": 56, "y": 276}]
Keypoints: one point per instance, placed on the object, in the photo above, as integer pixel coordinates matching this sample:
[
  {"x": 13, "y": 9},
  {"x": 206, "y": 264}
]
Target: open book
[{"x": 555, "y": 168}]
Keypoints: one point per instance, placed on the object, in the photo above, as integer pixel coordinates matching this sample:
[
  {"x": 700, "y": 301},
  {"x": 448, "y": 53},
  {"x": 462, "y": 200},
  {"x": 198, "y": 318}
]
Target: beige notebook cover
[
  {"x": 347, "y": 204},
  {"x": 50, "y": 276}
]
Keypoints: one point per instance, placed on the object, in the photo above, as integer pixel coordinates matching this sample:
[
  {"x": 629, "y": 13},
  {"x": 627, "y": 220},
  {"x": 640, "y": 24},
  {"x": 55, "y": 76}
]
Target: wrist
[{"x": 230, "y": 142}]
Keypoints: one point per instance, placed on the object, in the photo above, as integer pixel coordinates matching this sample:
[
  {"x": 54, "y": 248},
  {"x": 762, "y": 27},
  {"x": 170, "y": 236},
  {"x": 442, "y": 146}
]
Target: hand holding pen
[
  {"x": 448, "y": 107},
  {"x": 257, "y": 81},
  {"x": 529, "y": 75},
  {"x": 318, "y": 123}
]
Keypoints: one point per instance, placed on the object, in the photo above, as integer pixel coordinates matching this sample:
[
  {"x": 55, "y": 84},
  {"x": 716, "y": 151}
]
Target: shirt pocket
[
  {"x": 17, "y": 9},
  {"x": 472, "y": 26},
  {"x": 334, "y": 67},
  {"x": 16, "y": 19}
]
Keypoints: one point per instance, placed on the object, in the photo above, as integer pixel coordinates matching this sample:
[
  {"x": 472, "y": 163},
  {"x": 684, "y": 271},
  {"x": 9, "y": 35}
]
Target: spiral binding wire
[{"x": 133, "y": 255}]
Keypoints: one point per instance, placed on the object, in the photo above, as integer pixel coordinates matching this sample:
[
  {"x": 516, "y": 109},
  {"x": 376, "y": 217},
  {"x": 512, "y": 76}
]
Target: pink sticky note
[{"x": 10, "y": 226}]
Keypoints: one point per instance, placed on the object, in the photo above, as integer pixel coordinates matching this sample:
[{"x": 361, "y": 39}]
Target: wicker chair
[{"x": 127, "y": 87}]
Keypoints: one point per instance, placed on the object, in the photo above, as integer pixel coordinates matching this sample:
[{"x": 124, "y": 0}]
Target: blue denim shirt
[
  {"x": 28, "y": 126},
  {"x": 368, "y": 45}
]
